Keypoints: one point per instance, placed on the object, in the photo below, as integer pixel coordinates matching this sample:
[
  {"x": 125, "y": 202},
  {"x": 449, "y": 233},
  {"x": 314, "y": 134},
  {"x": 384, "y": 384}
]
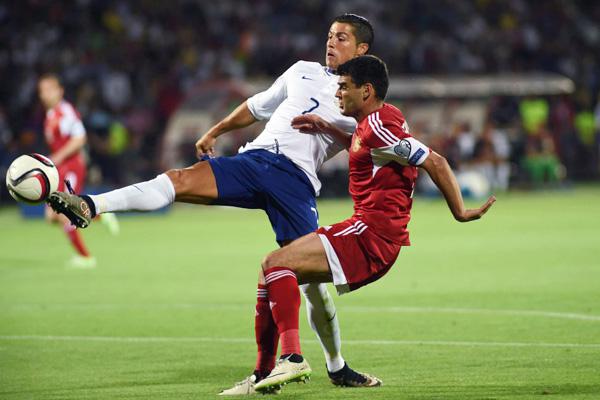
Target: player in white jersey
[
  {"x": 277, "y": 172},
  {"x": 305, "y": 87}
]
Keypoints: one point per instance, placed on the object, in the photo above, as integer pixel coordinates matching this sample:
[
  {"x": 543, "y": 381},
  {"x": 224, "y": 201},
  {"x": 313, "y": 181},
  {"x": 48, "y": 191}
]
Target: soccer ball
[
  {"x": 31, "y": 178},
  {"x": 473, "y": 184}
]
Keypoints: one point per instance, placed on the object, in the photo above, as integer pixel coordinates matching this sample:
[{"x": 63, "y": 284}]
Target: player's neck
[
  {"x": 53, "y": 105},
  {"x": 369, "y": 107}
]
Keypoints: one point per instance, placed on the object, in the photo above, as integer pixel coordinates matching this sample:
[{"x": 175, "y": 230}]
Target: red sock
[
  {"x": 284, "y": 299},
  {"x": 267, "y": 337},
  {"x": 76, "y": 240}
]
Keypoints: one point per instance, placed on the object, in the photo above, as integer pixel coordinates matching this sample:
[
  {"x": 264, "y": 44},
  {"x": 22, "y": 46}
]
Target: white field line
[
  {"x": 485, "y": 311},
  {"x": 343, "y": 309},
  {"x": 142, "y": 339}
]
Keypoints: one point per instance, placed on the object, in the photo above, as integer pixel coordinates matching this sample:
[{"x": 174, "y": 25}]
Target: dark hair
[
  {"x": 367, "y": 69},
  {"x": 363, "y": 30}
]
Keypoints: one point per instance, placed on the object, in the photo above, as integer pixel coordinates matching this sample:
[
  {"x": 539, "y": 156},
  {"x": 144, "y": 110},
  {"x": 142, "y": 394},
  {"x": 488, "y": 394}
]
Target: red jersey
[
  {"x": 61, "y": 124},
  {"x": 382, "y": 189}
]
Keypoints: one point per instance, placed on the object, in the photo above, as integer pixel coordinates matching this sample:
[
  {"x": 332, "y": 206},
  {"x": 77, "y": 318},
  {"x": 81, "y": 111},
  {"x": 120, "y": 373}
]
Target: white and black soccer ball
[{"x": 31, "y": 178}]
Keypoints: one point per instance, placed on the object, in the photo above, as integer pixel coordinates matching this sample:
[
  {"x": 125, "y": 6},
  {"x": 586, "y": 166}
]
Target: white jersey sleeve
[
  {"x": 70, "y": 124},
  {"x": 408, "y": 151},
  {"x": 263, "y": 104}
]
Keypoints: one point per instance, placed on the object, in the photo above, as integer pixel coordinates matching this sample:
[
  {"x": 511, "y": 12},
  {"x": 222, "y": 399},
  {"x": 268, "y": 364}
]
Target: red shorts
[
  {"x": 356, "y": 255},
  {"x": 74, "y": 172}
]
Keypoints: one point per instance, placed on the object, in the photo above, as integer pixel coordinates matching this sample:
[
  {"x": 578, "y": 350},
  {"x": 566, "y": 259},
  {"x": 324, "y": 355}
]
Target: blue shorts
[{"x": 263, "y": 180}]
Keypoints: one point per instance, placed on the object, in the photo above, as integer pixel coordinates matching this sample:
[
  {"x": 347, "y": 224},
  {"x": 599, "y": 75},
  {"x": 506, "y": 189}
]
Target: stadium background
[
  {"x": 504, "y": 308},
  {"x": 149, "y": 77}
]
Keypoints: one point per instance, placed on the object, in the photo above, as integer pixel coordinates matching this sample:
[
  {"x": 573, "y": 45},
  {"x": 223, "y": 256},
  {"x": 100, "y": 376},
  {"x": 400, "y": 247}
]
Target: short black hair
[
  {"x": 363, "y": 30},
  {"x": 367, "y": 69}
]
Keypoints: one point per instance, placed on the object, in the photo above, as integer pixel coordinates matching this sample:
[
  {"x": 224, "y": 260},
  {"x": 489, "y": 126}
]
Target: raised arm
[
  {"x": 241, "y": 117},
  {"x": 440, "y": 172},
  {"x": 313, "y": 124},
  {"x": 258, "y": 107}
]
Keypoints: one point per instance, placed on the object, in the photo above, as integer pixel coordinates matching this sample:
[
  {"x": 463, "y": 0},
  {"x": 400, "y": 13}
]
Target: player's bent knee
[
  {"x": 266, "y": 262},
  {"x": 184, "y": 181},
  {"x": 195, "y": 184},
  {"x": 177, "y": 178},
  {"x": 272, "y": 260}
]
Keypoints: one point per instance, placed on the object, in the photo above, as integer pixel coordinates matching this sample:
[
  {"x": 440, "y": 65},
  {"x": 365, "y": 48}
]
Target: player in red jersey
[
  {"x": 383, "y": 170},
  {"x": 66, "y": 136}
]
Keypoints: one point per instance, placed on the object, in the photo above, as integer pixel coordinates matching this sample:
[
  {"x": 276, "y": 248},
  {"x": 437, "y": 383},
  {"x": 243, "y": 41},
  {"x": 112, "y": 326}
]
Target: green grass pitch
[{"x": 503, "y": 308}]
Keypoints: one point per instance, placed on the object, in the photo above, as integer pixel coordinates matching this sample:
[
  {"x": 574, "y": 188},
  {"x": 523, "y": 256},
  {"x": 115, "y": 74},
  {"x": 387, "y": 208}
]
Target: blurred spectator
[
  {"x": 459, "y": 145},
  {"x": 585, "y": 128},
  {"x": 541, "y": 161},
  {"x": 116, "y": 90},
  {"x": 534, "y": 113},
  {"x": 491, "y": 157}
]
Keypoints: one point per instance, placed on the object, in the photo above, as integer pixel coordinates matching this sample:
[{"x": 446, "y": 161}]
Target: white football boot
[
  {"x": 284, "y": 372},
  {"x": 244, "y": 388}
]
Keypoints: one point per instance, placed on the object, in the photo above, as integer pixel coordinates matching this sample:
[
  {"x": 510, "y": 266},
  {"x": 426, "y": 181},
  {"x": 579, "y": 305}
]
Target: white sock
[
  {"x": 145, "y": 196},
  {"x": 323, "y": 320}
]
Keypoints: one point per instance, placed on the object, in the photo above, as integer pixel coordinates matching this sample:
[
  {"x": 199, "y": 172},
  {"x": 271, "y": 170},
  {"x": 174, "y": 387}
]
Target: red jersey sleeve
[
  {"x": 391, "y": 141},
  {"x": 386, "y": 131}
]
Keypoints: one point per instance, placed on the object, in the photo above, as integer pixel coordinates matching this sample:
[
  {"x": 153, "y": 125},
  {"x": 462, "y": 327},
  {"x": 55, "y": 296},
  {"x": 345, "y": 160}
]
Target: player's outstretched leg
[
  {"x": 195, "y": 184},
  {"x": 74, "y": 207},
  {"x": 145, "y": 196},
  {"x": 323, "y": 319}
]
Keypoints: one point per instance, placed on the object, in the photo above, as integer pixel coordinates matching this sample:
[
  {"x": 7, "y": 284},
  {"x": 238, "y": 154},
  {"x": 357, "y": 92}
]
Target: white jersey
[{"x": 306, "y": 87}]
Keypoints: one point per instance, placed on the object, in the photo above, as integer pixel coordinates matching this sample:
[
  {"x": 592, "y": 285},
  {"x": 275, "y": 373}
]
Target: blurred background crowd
[{"x": 130, "y": 66}]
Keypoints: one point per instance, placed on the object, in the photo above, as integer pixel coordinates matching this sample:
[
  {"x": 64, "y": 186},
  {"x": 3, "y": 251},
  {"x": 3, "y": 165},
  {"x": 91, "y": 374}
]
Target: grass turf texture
[{"x": 503, "y": 308}]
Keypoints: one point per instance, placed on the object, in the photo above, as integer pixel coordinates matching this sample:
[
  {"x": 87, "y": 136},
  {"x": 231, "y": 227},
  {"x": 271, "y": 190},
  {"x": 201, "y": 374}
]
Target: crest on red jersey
[{"x": 356, "y": 145}]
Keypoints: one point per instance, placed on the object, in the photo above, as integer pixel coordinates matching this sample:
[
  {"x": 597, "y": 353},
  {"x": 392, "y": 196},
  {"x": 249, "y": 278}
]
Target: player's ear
[
  {"x": 367, "y": 90},
  {"x": 362, "y": 49}
]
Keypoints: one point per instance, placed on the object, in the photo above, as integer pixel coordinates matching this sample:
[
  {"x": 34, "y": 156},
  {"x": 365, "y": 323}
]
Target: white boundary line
[
  {"x": 484, "y": 311},
  {"x": 164, "y": 339},
  {"x": 343, "y": 309}
]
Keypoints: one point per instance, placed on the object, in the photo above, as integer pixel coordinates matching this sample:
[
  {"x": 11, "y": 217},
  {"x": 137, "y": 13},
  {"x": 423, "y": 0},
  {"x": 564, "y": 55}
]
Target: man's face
[
  {"x": 50, "y": 92},
  {"x": 341, "y": 45},
  {"x": 349, "y": 96}
]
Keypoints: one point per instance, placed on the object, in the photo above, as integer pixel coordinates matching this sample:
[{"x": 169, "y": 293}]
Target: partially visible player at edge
[
  {"x": 66, "y": 137},
  {"x": 355, "y": 252},
  {"x": 277, "y": 172}
]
